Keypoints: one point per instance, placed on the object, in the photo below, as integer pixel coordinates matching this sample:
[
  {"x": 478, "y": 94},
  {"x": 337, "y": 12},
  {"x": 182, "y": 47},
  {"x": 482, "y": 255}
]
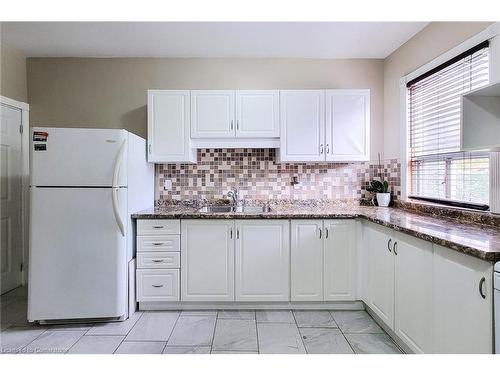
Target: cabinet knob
[
  {"x": 231, "y": 124},
  {"x": 320, "y": 233},
  {"x": 327, "y": 148},
  {"x": 395, "y": 248},
  {"x": 321, "y": 148},
  {"x": 389, "y": 245}
]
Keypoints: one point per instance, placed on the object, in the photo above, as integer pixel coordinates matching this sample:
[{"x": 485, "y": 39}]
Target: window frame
[{"x": 491, "y": 34}]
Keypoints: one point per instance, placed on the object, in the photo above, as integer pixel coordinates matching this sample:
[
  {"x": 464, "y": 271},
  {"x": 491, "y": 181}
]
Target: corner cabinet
[
  {"x": 169, "y": 137},
  {"x": 262, "y": 260},
  {"x": 324, "y": 125}
]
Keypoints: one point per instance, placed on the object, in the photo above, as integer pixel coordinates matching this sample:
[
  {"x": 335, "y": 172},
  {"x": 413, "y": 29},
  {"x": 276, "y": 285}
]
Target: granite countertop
[{"x": 480, "y": 241}]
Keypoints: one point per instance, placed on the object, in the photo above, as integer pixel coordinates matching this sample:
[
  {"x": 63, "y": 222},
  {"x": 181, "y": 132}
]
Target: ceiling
[{"x": 209, "y": 39}]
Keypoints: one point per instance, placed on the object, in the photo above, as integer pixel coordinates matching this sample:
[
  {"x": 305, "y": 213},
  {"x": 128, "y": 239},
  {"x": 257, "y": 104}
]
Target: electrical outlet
[{"x": 167, "y": 185}]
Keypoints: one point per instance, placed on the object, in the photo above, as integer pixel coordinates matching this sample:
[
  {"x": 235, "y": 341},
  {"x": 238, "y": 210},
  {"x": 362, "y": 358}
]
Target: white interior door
[
  {"x": 10, "y": 194},
  {"x": 78, "y": 265}
]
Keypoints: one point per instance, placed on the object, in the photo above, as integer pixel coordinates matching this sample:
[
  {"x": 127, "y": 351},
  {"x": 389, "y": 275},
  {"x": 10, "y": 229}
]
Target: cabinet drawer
[
  {"x": 157, "y": 285},
  {"x": 158, "y": 243},
  {"x": 154, "y": 227},
  {"x": 158, "y": 260}
]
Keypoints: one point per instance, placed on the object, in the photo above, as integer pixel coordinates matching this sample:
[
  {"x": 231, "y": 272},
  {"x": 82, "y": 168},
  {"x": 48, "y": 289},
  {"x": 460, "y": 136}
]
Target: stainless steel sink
[
  {"x": 241, "y": 209},
  {"x": 216, "y": 209}
]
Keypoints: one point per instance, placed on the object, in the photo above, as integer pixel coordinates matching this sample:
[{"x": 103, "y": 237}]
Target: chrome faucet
[{"x": 233, "y": 194}]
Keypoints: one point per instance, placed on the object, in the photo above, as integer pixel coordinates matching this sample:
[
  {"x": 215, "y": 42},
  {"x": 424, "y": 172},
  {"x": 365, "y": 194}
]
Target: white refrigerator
[{"x": 85, "y": 184}]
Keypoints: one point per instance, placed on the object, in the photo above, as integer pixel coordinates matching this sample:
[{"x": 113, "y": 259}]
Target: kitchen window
[{"x": 438, "y": 171}]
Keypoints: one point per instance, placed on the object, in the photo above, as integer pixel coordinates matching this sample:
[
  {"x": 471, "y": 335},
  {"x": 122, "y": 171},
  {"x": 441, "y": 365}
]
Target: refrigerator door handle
[
  {"x": 114, "y": 188},
  {"x": 118, "y": 163},
  {"x": 114, "y": 199}
]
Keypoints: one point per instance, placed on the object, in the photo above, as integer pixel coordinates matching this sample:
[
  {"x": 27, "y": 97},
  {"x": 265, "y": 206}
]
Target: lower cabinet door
[
  {"x": 157, "y": 285},
  {"x": 413, "y": 311},
  {"x": 262, "y": 260},
  {"x": 462, "y": 303},
  {"x": 306, "y": 260},
  {"x": 339, "y": 267},
  {"x": 380, "y": 272},
  {"x": 207, "y": 260}
]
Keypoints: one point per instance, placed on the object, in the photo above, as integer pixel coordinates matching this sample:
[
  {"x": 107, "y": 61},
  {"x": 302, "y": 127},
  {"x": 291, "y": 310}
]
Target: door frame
[{"x": 25, "y": 141}]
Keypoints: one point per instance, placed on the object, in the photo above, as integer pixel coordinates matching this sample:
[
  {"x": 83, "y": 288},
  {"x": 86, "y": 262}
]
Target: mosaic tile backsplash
[{"x": 257, "y": 175}]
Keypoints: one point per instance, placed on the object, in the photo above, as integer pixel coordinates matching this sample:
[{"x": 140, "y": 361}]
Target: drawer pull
[
  {"x": 481, "y": 283},
  {"x": 157, "y": 286},
  {"x": 158, "y": 227},
  {"x": 158, "y": 243},
  {"x": 157, "y": 260}
]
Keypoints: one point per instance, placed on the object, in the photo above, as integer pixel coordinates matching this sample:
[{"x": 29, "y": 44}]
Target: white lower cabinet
[
  {"x": 306, "y": 260},
  {"x": 262, "y": 260},
  {"x": 157, "y": 285},
  {"x": 380, "y": 272},
  {"x": 207, "y": 260},
  {"x": 323, "y": 260},
  {"x": 462, "y": 311},
  {"x": 339, "y": 260},
  {"x": 413, "y": 282}
]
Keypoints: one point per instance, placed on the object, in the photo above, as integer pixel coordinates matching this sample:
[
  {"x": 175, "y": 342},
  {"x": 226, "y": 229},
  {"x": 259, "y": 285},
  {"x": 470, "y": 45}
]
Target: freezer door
[
  {"x": 78, "y": 157},
  {"x": 77, "y": 264}
]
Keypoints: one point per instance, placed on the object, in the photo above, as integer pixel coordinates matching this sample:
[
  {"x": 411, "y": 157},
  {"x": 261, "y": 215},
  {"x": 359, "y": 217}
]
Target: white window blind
[{"x": 438, "y": 169}]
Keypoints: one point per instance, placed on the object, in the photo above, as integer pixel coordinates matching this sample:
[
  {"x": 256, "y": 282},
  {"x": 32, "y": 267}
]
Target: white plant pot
[{"x": 383, "y": 199}]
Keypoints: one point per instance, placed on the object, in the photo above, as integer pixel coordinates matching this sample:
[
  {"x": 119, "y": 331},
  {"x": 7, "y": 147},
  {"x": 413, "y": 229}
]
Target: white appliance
[
  {"x": 85, "y": 183},
  {"x": 496, "y": 299}
]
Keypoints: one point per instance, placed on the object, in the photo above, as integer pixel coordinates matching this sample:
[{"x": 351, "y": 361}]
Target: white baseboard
[{"x": 351, "y": 305}]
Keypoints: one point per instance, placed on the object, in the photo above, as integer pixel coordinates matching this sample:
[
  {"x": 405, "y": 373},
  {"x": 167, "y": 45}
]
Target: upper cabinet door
[
  {"x": 212, "y": 114},
  {"x": 168, "y": 126},
  {"x": 302, "y": 115},
  {"x": 262, "y": 260},
  {"x": 257, "y": 113},
  {"x": 347, "y": 125}
]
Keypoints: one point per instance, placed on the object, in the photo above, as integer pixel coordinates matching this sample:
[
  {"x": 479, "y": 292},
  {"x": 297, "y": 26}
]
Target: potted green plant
[{"x": 381, "y": 188}]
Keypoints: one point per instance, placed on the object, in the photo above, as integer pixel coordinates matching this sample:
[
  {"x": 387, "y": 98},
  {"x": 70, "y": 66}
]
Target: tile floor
[{"x": 197, "y": 332}]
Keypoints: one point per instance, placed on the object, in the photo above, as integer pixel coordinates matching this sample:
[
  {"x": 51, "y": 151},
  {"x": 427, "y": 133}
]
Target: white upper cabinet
[
  {"x": 462, "y": 305},
  {"x": 339, "y": 260},
  {"x": 302, "y": 121},
  {"x": 347, "y": 125},
  {"x": 413, "y": 259},
  {"x": 168, "y": 126},
  {"x": 262, "y": 260},
  {"x": 325, "y": 125},
  {"x": 257, "y": 114},
  {"x": 212, "y": 113}
]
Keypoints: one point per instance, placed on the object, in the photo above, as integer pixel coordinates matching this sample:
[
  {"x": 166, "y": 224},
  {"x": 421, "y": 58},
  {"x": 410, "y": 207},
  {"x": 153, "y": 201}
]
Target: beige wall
[
  {"x": 432, "y": 41},
  {"x": 13, "y": 73},
  {"x": 112, "y": 92}
]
